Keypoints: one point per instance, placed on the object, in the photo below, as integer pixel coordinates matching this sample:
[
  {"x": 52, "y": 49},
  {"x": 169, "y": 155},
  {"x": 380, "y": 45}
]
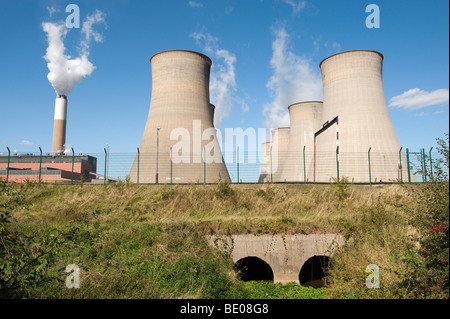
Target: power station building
[
  {"x": 48, "y": 168},
  {"x": 350, "y": 134},
  {"x": 179, "y": 143}
]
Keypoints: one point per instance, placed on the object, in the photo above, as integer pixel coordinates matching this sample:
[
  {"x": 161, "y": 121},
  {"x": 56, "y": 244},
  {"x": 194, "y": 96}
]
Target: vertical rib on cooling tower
[
  {"x": 181, "y": 109},
  {"x": 353, "y": 91},
  {"x": 305, "y": 119}
]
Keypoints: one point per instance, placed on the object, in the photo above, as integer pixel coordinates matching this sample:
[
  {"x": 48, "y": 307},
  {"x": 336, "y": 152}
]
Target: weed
[
  {"x": 269, "y": 290},
  {"x": 225, "y": 191},
  {"x": 341, "y": 186}
]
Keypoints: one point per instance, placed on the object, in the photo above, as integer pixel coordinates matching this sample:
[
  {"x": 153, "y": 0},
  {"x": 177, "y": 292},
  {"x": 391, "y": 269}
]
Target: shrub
[
  {"x": 428, "y": 255},
  {"x": 224, "y": 191},
  {"x": 341, "y": 186}
]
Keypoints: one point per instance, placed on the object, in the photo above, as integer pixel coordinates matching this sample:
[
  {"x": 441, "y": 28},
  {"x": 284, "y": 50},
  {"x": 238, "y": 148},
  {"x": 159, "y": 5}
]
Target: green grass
[{"x": 148, "y": 241}]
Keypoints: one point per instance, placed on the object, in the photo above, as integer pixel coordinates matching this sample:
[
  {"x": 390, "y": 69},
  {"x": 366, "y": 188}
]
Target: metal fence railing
[{"x": 239, "y": 167}]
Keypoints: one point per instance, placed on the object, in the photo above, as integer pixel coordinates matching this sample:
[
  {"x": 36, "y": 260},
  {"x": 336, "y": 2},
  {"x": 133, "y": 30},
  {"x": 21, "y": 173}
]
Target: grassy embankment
[{"x": 148, "y": 241}]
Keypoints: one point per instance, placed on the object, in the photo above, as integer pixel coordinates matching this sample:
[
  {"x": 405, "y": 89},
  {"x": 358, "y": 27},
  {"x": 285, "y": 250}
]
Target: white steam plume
[
  {"x": 294, "y": 80},
  {"x": 65, "y": 71},
  {"x": 223, "y": 77}
]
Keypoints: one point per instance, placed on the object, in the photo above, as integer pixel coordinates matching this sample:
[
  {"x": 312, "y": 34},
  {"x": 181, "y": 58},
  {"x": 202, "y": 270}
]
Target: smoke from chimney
[{"x": 65, "y": 71}]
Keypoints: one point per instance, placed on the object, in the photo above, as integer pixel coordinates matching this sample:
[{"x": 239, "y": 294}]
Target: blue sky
[{"x": 265, "y": 53}]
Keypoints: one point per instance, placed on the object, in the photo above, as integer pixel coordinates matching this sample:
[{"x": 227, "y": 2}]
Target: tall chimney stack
[{"x": 59, "y": 126}]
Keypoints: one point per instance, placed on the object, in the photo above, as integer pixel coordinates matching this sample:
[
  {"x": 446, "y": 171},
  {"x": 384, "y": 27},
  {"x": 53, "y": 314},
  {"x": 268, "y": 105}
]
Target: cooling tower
[
  {"x": 179, "y": 143},
  {"x": 59, "y": 124},
  {"x": 264, "y": 175},
  {"x": 305, "y": 120},
  {"x": 280, "y": 146},
  {"x": 353, "y": 92}
]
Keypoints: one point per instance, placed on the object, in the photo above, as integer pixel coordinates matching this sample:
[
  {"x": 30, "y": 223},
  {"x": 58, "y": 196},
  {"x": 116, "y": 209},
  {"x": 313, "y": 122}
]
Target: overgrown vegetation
[
  {"x": 410, "y": 246},
  {"x": 428, "y": 261},
  {"x": 268, "y": 290},
  {"x": 148, "y": 241}
]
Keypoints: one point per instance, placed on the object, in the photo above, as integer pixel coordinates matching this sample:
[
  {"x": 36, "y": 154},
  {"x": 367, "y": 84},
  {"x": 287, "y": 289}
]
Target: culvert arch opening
[
  {"x": 313, "y": 271},
  {"x": 253, "y": 269}
]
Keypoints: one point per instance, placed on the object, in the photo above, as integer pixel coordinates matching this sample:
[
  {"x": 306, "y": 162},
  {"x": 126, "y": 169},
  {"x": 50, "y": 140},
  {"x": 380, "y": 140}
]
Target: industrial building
[
  {"x": 48, "y": 168},
  {"x": 179, "y": 143},
  {"x": 350, "y": 134}
]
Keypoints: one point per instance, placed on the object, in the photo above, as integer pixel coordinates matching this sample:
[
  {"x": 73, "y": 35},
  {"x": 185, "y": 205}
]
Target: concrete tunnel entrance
[
  {"x": 313, "y": 271},
  {"x": 252, "y": 269}
]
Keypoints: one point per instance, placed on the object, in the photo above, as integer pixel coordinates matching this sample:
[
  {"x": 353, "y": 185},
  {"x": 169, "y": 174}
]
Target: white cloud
[
  {"x": 223, "y": 77},
  {"x": 89, "y": 32},
  {"x": 297, "y": 6},
  {"x": 294, "y": 80},
  {"x": 195, "y": 4},
  {"x": 25, "y": 142},
  {"x": 416, "y": 99},
  {"x": 51, "y": 10}
]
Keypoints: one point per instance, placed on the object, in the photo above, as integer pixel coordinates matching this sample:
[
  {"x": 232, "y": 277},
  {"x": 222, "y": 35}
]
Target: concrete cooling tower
[
  {"x": 59, "y": 125},
  {"x": 305, "y": 120},
  {"x": 280, "y": 146},
  {"x": 179, "y": 143},
  {"x": 264, "y": 175},
  {"x": 353, "y": 92}
]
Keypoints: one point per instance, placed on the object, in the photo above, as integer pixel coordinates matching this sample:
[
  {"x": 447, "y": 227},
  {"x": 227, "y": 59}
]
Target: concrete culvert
[
  {"x": 253, "y": 269},
  {"x": 313, "y": 271}
]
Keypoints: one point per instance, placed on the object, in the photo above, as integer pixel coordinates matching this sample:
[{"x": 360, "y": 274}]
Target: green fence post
[
  {"x": 400, "y": 164},
  {"x": 431, "y": 164},
  {"x": 421, "y": 164},
  {"x": 409, "y": 165},
  {"x": 104, "y": 176},
  {"x": 204, "y": 164},
  {"x": 237, "y": 161},
  {"x": 424, "y": 165},
  {"x": 73, "y": 160},
  {"x": 304, "y": 163},
  {"x": 370, "y": 169},
  {"x": 7, "y": 167},
  {"x": 40, "y": 163},
  {"x": 138, "y": 159},
  {"x": 271, "y": 169},
  {"x": 337, "y": 163}
]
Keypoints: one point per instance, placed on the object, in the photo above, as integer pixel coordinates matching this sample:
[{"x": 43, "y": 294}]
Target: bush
[
  {"x": 224, "y": 191},
  {"x": 341, "y": 185},
  {"x": 23, "y": 262},
  {"x": 428, "y": 256}
]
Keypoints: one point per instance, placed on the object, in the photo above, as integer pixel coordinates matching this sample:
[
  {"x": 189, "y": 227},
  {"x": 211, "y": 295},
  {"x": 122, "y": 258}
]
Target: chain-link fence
[{"x": 238, "y": 167}]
